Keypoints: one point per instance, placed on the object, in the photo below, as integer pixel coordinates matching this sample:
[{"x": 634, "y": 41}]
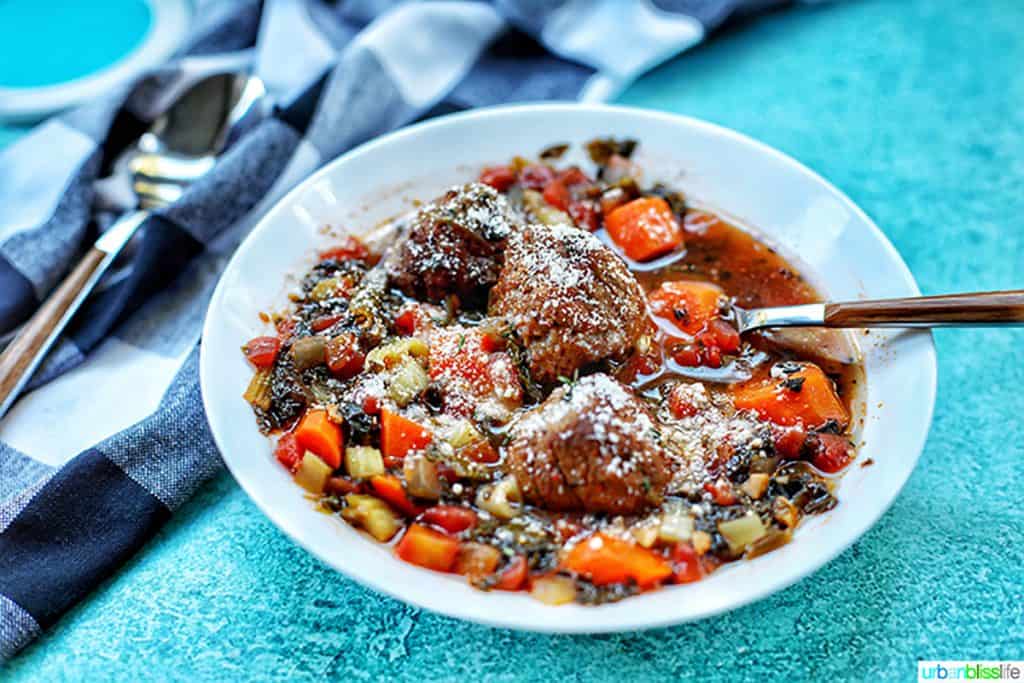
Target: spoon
[
  {"x": 949, "y": 310},
  {"x": 179, "y": 148}
]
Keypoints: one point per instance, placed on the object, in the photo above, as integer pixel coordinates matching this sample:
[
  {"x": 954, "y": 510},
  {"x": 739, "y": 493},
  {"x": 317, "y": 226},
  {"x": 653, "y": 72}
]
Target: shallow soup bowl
[{"x": 808, "y": 220}]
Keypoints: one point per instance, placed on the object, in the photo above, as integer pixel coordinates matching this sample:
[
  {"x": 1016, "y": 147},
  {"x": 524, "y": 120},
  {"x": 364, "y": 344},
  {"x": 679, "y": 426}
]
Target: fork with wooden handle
[{"x": 948, "y": 310}]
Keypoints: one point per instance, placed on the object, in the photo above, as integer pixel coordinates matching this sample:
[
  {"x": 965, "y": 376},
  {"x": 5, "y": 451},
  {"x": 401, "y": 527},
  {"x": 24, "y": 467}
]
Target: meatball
[
  {"x": 590, "y": 446},
  {"x": 454, "y": 246},
  {"x": 571, "y": 301}
]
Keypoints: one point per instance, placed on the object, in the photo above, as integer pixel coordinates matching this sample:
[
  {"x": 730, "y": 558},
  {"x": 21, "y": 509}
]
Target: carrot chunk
[
  {"x": 645, "y": 228},
  {"x": 399, "y": 435},
  {"x": 389, "y": 488},
  {"x": 806, "y": 396},
  {"x": 317, "y": 433},
  {"x": 605, "y": 560},
  {"x": 428, "y": 548},
  {"x": 687, "y": 304}
]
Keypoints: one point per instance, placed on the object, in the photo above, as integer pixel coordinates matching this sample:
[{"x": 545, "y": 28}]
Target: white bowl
[{"x": 839, "y": 248}]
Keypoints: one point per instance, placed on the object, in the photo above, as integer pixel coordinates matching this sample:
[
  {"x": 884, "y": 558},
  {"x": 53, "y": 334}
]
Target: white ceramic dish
[{"x": 841, "y": 250}]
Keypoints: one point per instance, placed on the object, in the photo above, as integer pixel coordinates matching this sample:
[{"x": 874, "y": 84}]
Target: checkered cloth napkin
[{"x": 111, "y": 437}]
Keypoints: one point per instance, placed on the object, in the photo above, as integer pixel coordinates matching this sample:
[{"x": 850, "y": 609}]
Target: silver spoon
[
  {"x": 190, "y": 135},
  {"x": 950, "y": 310}
]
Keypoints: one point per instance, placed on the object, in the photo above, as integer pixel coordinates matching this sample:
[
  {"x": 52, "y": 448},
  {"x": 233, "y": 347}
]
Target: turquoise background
[
  {"x": 916, "y": 110},
  {"x": 37, "y": 50}
]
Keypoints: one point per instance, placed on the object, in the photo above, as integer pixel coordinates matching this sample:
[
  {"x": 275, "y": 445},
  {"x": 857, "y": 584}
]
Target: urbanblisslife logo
[{"x": 970, "y": 671}]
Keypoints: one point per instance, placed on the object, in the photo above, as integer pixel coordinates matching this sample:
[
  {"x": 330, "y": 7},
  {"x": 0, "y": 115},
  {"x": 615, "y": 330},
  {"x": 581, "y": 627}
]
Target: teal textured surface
[{"x": 912, "y": 108}]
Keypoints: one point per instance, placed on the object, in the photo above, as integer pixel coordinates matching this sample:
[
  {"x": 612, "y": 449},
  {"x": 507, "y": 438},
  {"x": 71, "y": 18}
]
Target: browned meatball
[
  {"x": 569, "y": 298},
  {"x": 590, "y": 446},
  {"x": 454, "y": 246}
]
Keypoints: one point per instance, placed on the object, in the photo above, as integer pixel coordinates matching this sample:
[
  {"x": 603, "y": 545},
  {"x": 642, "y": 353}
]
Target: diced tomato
[
  {"x": 342, "y": 486},
  {"x": 711, "y": 356},
  {"x": 557, "y": 195},
  {"x": 833, "y": 453},
  {"x": 323, "y": 322},
  {"x": 318, "y": 434},
  {"x": 583, "y": 214},
  {"x": 806, "y": 397},
  {"x": 480, "y": 451},
  {"x": 645, "y": 228},
  {"x": 686, "y": 304},
  {"x": 389, "y": 488},
  {"x": 679, "y": 403},
  {"x": 412, "y": 319},
  {"x": 451, "y": 518},
  {"x": 574, "y": 176},
  {"x": 349, "y": 248},
  {"x": 399, "y": 435},
  {"x": 513, "y": 576},
  {"x": 428, "y": 548},
  {"x": 262, "y": 351},
  {"x": 469, "y": 373},
  {"x": 490, "y": 343},
  {"x": 499, "y": 177},
  {"x": 605, "y": 559},
  {"x": 285, "y": 328},
  {"x": 686, "y": 564},
  {"x": 687, "y": 355},
  {"x": 371, "y": 405},
  {"x": 721, "y": 491},
  {"x": 288, "y": 452},
  {"x": 447, "y": 472},
  {"x": 536, "y": 176},
  {"x": 720, "y": 335},
  {"x": 790, "y": 442},
  {"x": 344, "y": 357}
]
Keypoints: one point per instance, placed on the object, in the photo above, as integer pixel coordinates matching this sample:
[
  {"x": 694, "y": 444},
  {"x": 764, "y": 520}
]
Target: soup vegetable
[{"x": 538, "y": 386}]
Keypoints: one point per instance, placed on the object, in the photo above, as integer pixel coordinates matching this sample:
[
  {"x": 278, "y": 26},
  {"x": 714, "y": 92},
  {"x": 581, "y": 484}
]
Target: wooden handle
[
  {"x": 983, "y": 308},
  {"x": 25, "y": 352}
]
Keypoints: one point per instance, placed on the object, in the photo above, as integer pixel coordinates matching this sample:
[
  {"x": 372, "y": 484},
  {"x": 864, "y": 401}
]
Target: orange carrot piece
[
  {"x": 605, "y": 559},
  {"x": 428, "y": 548},
  {"x": 389, "y": 488},
  {"x": 806, "y": 397},
  {"x": 687, "y": 304},
  {"x": 644, "y": 228},
  {"x": 317, "y": 433},
  {"x": 399, "y": 435}
]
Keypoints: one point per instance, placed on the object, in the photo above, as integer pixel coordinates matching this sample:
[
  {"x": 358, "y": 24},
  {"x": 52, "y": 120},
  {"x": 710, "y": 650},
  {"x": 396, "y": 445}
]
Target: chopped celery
[
  {"x": 676, "y": 526},
  {"x": 553, "y": 590},
  {"x": 363, "y": 462},
  {"x": 258, "y": 393},
  {"x": 387, "y": 356},
  {"x": 742, "y": 531},
  {"x": 372, "y": 514},
  {"x": 407, "y": 381},
  {"x": 462, "y": 434}
]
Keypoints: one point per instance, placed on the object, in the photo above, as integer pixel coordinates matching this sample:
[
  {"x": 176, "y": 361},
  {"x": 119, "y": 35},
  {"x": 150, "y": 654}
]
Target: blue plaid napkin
[{"x": 111, "y": 438}]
